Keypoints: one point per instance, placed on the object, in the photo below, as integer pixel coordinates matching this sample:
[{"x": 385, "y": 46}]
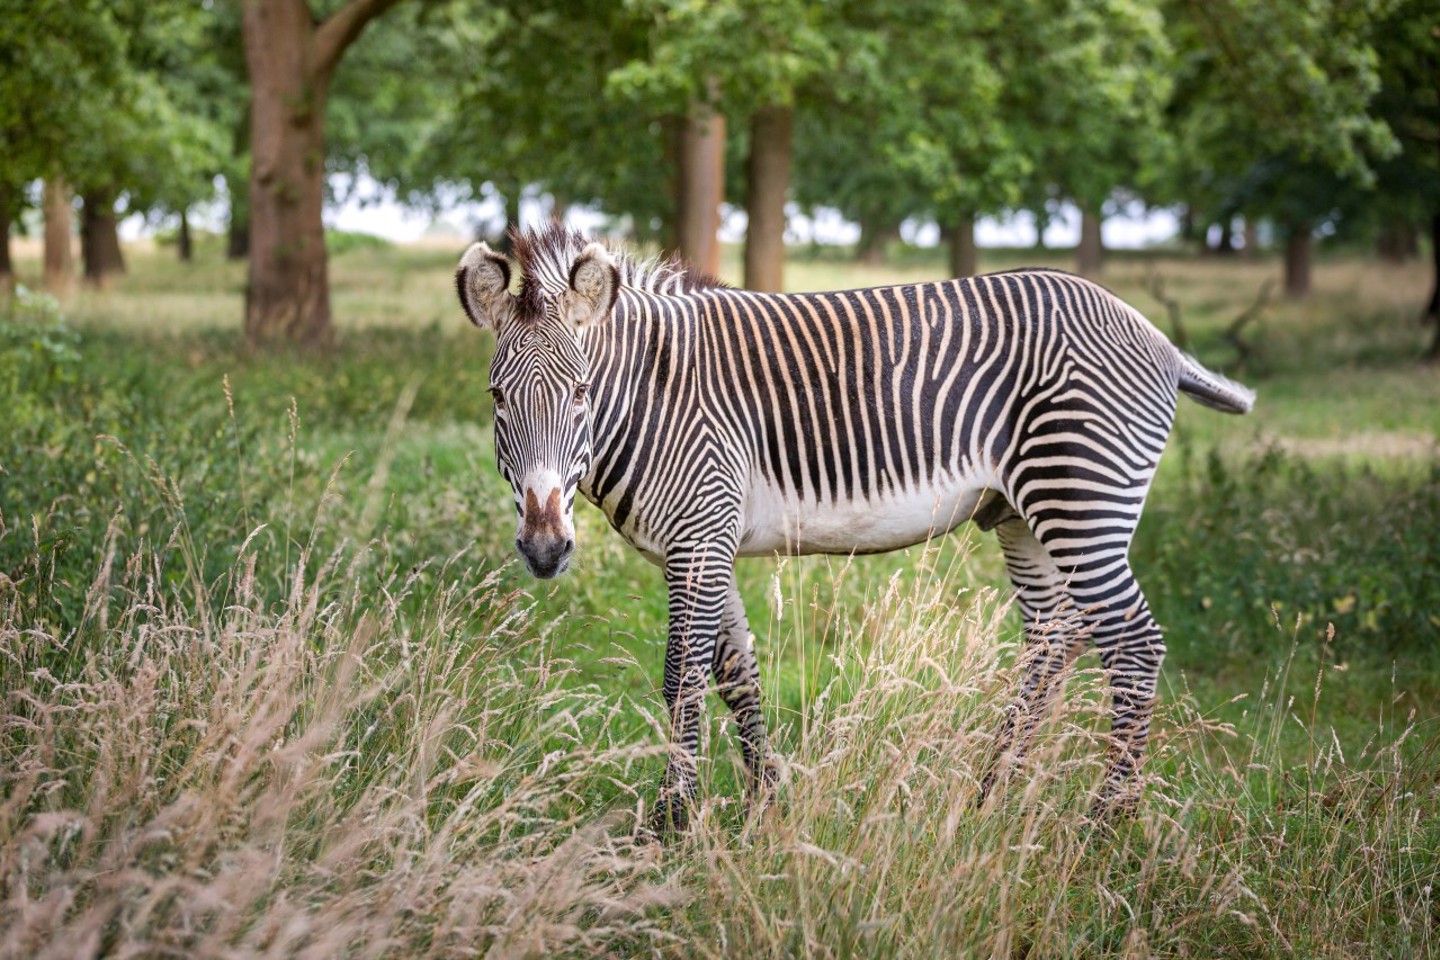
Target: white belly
[{"x": 775, "y": 523}]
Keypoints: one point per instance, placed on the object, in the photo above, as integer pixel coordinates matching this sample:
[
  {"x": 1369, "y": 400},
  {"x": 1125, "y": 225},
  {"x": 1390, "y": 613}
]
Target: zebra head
[{"x": 539, "y": 379}]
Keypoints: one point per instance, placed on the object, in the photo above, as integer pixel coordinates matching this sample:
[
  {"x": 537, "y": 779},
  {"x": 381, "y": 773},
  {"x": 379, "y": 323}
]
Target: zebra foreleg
[
  {"x": 698, "y": 595},
  {"x": 1052, "y": 642},
  {"x": 737, "y": 676}
]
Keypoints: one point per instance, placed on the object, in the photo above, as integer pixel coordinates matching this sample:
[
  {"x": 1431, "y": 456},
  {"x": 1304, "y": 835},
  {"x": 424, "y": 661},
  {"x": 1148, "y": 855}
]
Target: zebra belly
[{"x": 777, "y": 522}]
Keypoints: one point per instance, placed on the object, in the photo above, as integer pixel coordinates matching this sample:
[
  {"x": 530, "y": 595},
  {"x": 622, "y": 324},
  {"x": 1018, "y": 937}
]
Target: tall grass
[
  {"x": 876, "y": 848},
  {"x": 326, "y": 776},
  {"x": 357, "y": 771}
]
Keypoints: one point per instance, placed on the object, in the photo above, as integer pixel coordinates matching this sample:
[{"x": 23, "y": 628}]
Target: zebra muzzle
[{"x": 545, "y": 541}]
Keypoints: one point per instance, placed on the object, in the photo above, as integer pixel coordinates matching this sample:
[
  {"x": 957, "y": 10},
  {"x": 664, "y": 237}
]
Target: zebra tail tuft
[{"x": 1210, "y": 389}]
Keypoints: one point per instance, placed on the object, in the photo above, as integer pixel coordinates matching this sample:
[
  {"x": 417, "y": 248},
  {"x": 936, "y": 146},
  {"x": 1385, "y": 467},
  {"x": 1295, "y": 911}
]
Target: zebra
[{"x": 710, "y": 423}]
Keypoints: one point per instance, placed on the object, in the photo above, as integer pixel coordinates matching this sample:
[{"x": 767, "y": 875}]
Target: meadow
[{"x": 273, "y": 686}]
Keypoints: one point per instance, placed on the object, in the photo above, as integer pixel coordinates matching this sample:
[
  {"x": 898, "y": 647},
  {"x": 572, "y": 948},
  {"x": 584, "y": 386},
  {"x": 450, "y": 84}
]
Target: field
[{"x": 272, "y": 684}]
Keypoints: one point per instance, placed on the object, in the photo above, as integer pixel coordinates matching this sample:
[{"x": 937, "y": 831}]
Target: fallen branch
[
  {"x": 1234, "y": 332},
  {"x": 1155, "y": 284}
]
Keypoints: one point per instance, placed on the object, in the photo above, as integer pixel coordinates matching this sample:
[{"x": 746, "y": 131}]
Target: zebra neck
[{"x": 633, "y": 356}]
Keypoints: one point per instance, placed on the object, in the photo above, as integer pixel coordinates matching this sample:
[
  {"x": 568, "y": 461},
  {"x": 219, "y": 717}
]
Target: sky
[
  {"x": 1129, "y": 228},
  {"x": 367, "y": 208}
]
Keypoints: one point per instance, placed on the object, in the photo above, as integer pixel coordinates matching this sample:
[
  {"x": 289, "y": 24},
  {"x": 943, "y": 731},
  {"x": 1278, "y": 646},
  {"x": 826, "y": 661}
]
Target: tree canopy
[
  {"x": 1323, "y": 112},
  {"x": 127, "y": 95}
]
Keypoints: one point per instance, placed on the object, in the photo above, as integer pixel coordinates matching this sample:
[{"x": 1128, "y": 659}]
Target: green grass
[{"x": 266, "y": 657}]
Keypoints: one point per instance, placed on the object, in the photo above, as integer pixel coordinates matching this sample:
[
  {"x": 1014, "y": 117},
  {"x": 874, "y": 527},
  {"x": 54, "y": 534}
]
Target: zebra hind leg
[
  {"x": 1117, "y": 618},
  {"x": 1053, "y": 639},
  {"x": 737, "y": 677},
  {"x": 1131, "y": 649}
]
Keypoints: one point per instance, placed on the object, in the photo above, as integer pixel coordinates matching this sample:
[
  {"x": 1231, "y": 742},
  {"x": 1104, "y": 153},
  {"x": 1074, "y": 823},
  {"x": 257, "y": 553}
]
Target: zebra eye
[
  {"x": 581, "y": 389},
  {"x": 498, "y": 397}
]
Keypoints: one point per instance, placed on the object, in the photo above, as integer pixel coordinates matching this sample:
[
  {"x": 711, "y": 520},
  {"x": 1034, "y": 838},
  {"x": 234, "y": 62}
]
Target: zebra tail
[{"x": 1211, "y": 389}]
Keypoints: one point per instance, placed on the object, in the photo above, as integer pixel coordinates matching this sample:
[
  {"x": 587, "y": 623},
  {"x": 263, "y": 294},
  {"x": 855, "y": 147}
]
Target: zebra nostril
[{"x": 569, "y": 547}]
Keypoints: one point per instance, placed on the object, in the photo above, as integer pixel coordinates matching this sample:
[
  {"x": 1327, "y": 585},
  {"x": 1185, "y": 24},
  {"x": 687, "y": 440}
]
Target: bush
[
  {"x": 1273, "y": 535},
  {"x": 340, "y": 242}
]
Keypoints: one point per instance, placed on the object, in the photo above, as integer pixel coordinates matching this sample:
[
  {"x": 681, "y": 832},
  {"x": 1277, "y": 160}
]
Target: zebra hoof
[
  {"x": 1115, "y": 805},
  {"x": 762, "y": 787},
  {"x": 989, "y": 785},
  {"x": 669, "y": 819},
  {"x": 761, "y": 794}
]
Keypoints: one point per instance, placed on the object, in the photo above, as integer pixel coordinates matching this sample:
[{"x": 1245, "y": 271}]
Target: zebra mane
[{"x": 547, "y": 255}]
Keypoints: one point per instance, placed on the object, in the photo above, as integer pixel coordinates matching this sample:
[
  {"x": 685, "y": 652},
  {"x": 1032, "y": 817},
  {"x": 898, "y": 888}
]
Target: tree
[
  {"x": 1273, "y": 112},
  {"x": 519, "y": 123},
  {"x": 844, "y": 160},
  {"x": 673, "y": 74},
  {"x": 934, "y": 84},
  {"x": 64, "y": 74},
  {"x": 1408, "y": 183},
  {"x": 1090, "y": 253},
  {"x": 88, "y": 101},
  {"x": 202, "y": 69},
  {"x": 291, "y": 56},
  {"x": 913, "y": 98},
  {"x": 680, "y": 76},
  {"x": 1103, "y": 130},
  {"x": 794, "y": 50},
  {"x": 7, "y": 216},
  {"x": 700, "y": 183},
  {"x": 747, "y": 59},
  {"x": 100, "y": 252},
  {"x": 59, "y": 263},
  {"x": 767, "y": 177},
  {"x": 960, "y": 114}
]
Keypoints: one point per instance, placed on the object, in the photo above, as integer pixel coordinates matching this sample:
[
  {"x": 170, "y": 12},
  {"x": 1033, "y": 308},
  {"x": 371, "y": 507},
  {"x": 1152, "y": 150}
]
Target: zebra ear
[
  {"x": 483, "y": 282},
  {"x": 594, "y": 286}
]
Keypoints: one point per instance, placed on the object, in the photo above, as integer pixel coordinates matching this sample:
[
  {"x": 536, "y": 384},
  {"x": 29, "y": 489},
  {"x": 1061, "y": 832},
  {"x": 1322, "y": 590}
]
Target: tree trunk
[
  {"x": 701, "y": 186},
  {"x": 1432, "y": 311},
  {"x": 1226, "y": 245},
  {"x": 1252, "y": 238},
  {"x": 59, "y": 260},
  {"x": 509, "y": 195},
  {"x": 1090, "y": 254},
  {"x": 90, "y": 269},
  {"x": 1409, "y": 242},
  {"x": 288, "y": 299},
  {"x": 767, "y": 176},
  {"x": 237, "y": 237},
  {"x": 290, "y": 60},
  {"x": 7, "y": 213},
  {"x": 1187, "y": 225},
  {"x": 1297, "y": 261},
  {"x": 183, "y": 244},
  {"x": 100, "y": 237},
  {"x": 875, "y": 234},
  {"x": 1042, "y": 223},
  {"x": 1398, "y": 242},
  {"x": 963, "y": 252}
]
